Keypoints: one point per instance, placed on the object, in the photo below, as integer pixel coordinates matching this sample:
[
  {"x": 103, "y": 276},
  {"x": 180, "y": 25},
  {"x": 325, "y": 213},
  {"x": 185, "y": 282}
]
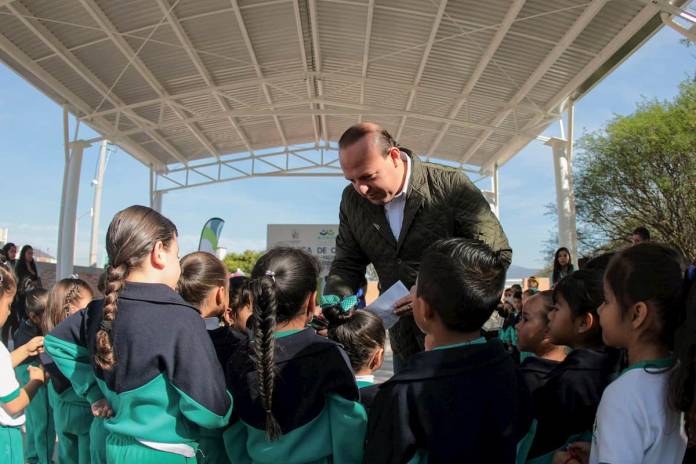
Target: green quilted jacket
[{"x": 441, "y": 202}]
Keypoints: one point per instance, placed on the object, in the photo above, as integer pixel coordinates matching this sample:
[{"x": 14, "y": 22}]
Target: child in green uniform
[
  {"x": 40, "y": 436},
  {"x": 362, "y": 336},
  {"x": 144, "y": 349},
  {"x": 81, "y": 436},
  {"x": 13, "y": 398},
  {"x": 204, "y": 285}
]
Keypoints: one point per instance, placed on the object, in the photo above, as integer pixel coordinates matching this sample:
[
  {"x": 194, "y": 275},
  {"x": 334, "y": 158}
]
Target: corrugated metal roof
[{"x": 175, "y": 81}]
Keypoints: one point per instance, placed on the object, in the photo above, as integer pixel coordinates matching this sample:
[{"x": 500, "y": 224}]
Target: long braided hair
[
  {"x": 131, "y": 237},
  {"x": 281, "y": 281},
  {"x": 64, "y": 295}
]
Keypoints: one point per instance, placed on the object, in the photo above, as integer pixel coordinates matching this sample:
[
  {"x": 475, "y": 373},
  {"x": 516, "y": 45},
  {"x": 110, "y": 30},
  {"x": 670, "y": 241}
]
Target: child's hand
[
  {"x": 101, "y": 408},
  {"x": 37, "y": 373},
  {"x": 34, "y": 346},
  {"x": 578, "y": 453}
]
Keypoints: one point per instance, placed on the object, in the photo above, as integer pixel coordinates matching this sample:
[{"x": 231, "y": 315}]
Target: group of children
[{"x": 179, "y": 363}]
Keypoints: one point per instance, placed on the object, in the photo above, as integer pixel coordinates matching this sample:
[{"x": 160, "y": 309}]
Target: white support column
[
  {"x": 496, "y": 189},
  {"x": 96, "y": 207},
  {"x": 565, "y": 199},
  {"x": 155, "y": 196},
  {"x": 68, "y": 210}
]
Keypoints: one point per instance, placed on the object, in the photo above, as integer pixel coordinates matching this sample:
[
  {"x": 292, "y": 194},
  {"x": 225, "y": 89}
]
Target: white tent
[{"x": 206, "y": 91}]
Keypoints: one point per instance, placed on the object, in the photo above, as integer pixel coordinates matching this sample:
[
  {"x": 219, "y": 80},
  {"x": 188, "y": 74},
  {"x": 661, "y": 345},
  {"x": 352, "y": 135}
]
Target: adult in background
[
  {"x": 562, "y": 266},
  {"x": 8, "y": 255},
  {"x": 640, "y": 235},
  {"x": 27, "y": 279},
  {"x": 395, "y": 207}
]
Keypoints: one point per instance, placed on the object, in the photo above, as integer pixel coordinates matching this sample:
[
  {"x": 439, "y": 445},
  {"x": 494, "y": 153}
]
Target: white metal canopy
[
  {"x": 178, "y": 83},
  {"x": 207, "y": 91}
]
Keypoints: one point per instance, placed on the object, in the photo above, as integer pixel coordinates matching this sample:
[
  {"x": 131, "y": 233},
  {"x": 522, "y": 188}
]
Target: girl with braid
[
  {"x": 80, "y": 436},
  {"x": 144, "y": 349},
  {"x": 295, "y": 394}
]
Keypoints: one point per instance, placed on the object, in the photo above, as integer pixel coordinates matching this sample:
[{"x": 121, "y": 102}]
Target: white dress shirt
[{"x": 394, "y": 210}]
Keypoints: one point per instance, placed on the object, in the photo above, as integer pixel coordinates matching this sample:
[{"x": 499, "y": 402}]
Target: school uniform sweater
[
  {"x": 24, "y": 333},
  {"x": 315, "y": 401},
  {"x": 166, "y": 380},
  {"x": 368, "y": 391},
  {"x": 535, "y": 371},
  {"x": 452, "y": 404},
  {"x": 565, "y": 406}
]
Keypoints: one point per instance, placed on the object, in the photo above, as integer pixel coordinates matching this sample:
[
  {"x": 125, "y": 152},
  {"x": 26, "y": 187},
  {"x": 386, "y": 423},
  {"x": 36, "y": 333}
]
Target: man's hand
[
  {"x": 101, "y": 408},
  {"x": 404, "y": 306}
]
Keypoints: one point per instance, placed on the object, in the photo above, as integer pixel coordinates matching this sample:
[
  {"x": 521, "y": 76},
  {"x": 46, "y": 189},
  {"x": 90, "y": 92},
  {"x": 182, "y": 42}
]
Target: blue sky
[{"x": 31, "y": 153}]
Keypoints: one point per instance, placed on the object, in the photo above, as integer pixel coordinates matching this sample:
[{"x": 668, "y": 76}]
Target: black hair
[
  {"x": 555, "y": 276},
  {"x": 515, "y": 288},
  {"x": 240, "y": 294},
  {"x": 600, "y": 262},
  {"x": 649, "y": 272},
  {"x": 517, "y": 295},
  {"x": 642, "y": 232},
  {"x": 682, "y": 383},
  {"x": 5, "y": 249},
  {"x": 584, "y": 293},
  {"x": 462, "y": 280},
  {"x": 23, "y": 268},
  {"x": 547, "y": 297},
  {"x": 36, "y": 301},
  {"x": 359, "y": 332},
  {"x": 281, "y": 282}
]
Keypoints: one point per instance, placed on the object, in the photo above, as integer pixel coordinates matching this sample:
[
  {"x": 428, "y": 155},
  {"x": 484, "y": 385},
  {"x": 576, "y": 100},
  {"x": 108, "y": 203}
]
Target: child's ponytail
[{"x": 359, "y": 332}]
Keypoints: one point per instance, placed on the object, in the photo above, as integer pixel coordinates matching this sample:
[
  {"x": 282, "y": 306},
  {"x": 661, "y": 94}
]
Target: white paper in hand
[{"x": 384, "y": 305}]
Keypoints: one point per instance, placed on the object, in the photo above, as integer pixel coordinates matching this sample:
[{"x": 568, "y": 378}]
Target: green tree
[
  {"x": 641, "y": 170},
  {"x": 244, "y": 261}
]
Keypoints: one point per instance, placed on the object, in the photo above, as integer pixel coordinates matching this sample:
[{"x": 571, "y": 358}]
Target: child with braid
[
  {"x": 294, "y": 390},
  {"x": 144, "y": 349},
  {"x": 80, "y": 438}
]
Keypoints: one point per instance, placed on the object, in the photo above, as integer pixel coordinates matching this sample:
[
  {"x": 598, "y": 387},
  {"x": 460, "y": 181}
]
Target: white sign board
[{"x": 317, "y": 239}]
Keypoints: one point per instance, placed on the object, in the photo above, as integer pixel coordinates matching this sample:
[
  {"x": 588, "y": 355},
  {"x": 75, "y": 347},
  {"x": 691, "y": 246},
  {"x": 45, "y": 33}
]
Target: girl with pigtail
[
  {"x": 362, "y": 335},
  {"x": 144, "y": 349},
  {"x": 295, "y": 393},
  {"x": 81, "y": 435}
]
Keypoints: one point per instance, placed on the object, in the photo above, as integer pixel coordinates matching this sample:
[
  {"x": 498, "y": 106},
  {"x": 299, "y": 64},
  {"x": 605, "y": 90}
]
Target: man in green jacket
[{"x": 395, "y": 207}]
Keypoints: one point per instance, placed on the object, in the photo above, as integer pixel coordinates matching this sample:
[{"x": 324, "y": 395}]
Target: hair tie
[
  {"x": 105, "y": 325},
  {"x": 271, "y": 274},
  {"x": 346, "y": 303}
]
